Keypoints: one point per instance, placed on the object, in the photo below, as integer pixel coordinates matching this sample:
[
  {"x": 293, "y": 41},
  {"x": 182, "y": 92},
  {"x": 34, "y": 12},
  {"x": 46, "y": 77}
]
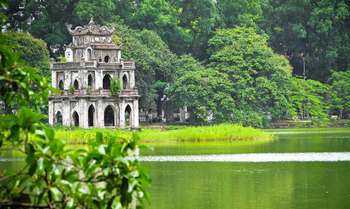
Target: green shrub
[
  {"x": 31, "y": 50},
  {"x": 71, "y": 89},
  {"x": 115, "y": 87},
  {"x": 62, "y": 59},
  {"x": 106, "y": 174}
]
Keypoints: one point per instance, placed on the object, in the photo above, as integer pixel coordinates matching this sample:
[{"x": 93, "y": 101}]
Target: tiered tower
[{"x": 84, "y": 100}]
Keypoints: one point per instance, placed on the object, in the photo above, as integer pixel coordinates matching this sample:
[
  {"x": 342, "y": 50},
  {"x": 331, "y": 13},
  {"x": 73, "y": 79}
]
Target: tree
[
  {"x": 102, "y": 10},
  {"x": 259, "y": 76},
  {"x": 241, "y": 12},
  {"x": 19, "y": 82},
  {"x": 200, "y": 17},
  {"x": 310, "y": 100},
  {"x": 163, "y": 17},
  {"x": 314, "y": 33},
  {"x": 33, "y": 51},
  {"x": 340, "y": 93},
  {"x": 45, "y": 20},
  {"x": 205, "y": 92},
  {"x": 154, "y": 63}
]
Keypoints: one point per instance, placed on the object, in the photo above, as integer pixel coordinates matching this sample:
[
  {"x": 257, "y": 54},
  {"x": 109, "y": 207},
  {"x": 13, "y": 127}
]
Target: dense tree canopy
[
  {"x": 31, "y": 50},
  {"x": 340, "y": 93},
  {"x": 241, "y": 12},
  {"x": 255, "y": 47},
  {"x": 101, "y": 10},
  {"x": 154, "y": 63},
  {"x": 260, "y": 76},
  {"x": 314, "y": 34},
  {"x": 309, "y": 98},
  {"x": 205, "y": 92},
  {"x": 43, "y": 19},
  {"x": 314, "y": 31}
]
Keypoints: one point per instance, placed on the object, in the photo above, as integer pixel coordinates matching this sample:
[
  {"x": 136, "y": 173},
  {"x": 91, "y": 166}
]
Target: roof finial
[{"x": 91, "y": 20}]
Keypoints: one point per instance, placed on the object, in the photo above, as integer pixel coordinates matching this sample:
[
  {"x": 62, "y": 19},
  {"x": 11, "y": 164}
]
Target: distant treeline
[{"x": 246, "y": 61}]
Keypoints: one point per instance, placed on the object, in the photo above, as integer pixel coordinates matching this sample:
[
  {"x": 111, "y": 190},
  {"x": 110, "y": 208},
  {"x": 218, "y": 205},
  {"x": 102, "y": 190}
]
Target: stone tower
[{"x": 84, "y": 98}]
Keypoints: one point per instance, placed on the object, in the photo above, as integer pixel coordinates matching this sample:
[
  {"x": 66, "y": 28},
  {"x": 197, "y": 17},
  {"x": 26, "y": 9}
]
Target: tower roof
[{"x": 91, "y": 29}]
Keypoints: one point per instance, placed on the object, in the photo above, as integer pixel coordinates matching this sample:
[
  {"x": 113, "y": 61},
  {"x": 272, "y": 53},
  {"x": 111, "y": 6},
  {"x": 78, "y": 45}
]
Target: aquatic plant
[{"x": 222, "y": 132}]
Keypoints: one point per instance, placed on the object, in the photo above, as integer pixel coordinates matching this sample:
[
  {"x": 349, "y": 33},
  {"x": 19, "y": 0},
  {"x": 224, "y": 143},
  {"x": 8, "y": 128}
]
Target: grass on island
[{"x": 214, "y": 133}]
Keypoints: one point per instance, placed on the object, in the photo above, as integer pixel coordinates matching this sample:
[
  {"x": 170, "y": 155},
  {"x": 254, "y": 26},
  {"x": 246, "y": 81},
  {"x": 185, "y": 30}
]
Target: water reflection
[
  {"x": 249, "y": 185},
  {"x": 246, "y": 185},
  {"x": 336, "y": 140},
  {"x": 259, "y": 157}
]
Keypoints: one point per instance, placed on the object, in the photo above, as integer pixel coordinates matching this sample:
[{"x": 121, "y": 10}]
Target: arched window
[
  {"x": 127, "y": 115},
  {"x": 61, "y": 85},
  {"x": 109, "y": 116},
  {"x": 107, "y": 81},
  {"x": 125, "y": 82},
  {"x": 90, "y": 80},
  {"x": 58, "y": 118},
  {"x": 75, "y": 119},
  {"x": 76, "y": 84},
  {"x": 106, "y": 59},
  {"x": 91, "y": 113},
  {"x": 89, "y": 54}
]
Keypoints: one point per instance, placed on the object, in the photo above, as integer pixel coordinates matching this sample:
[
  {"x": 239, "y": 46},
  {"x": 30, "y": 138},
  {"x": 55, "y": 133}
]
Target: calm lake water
[
  {"x": 248, "y": 185},
  {"x": 208, "y": 184}
]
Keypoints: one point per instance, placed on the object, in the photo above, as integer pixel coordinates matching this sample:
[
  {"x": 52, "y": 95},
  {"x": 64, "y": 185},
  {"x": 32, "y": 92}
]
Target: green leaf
[
  {"x": 40, "y": 164},
  {"x": 29, "y": 149},
  {"x": 32, "y": 169},
  {"x": 70, "y": 203},
  {"x": 102, "y": 149},
  {"x": 56, "y": 194},
  {"x": 99, "y": 137},
  {"x": 50, "y": 133},
  {"x": 116, "y": 203}
]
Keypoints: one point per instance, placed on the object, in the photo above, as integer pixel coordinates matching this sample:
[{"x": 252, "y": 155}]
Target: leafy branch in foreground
[{"x": 105, "y": 175}]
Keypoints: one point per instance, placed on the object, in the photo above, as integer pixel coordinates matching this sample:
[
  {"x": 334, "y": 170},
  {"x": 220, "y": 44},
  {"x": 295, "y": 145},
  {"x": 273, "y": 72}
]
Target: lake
[
  {"x": 299, "y": 169},
  {"x": 254, "y": 185}
]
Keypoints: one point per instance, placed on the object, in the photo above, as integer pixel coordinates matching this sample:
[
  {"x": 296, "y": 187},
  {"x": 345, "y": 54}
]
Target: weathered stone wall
[{"x": 93, "y": 54}]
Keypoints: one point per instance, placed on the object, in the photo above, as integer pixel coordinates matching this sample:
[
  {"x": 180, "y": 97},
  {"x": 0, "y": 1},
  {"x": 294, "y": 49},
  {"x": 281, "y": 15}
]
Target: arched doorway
[
  {"x": 75, "y": 119},
  {"x": 106, "y": 59},
  {"x": 76, "y": 84},
  {"x": 109, "y": 116},
  {"x": 128, "y": 116},
  {"x": 58, "y": 118},
  {"x": 125, "y": 82},
  {"x": 107, "y": 81},
  {"x": 91, "y": 113},
  {"x": 61, "y": 85},
  {"x": 90, "y": 81}
]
